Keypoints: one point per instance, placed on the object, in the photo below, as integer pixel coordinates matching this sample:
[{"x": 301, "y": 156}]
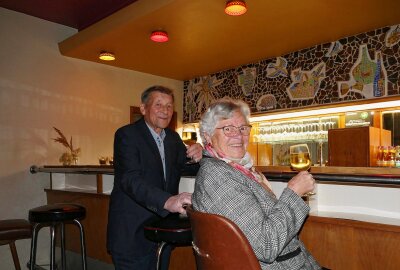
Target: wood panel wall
[{"x": 341, "y": 244}]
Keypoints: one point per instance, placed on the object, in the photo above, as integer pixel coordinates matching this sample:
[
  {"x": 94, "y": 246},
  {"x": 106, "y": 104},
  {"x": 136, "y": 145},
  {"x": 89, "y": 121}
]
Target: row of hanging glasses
[{"x": 295, "y": 131}]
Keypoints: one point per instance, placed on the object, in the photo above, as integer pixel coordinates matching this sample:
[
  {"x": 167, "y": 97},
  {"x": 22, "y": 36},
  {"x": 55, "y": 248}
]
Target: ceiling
[
  {"x": 203, "y": 39},
  {"x": 78, "y": 14}
]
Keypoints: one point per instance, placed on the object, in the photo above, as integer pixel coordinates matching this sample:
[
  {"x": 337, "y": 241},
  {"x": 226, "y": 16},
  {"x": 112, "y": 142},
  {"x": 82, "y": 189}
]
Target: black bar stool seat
[
  {"x": 59, "y": 212},
  {"x": 54, "y": 215},
  {"x": 174, "y": 229},
  {"x": 12, "y": 230}
]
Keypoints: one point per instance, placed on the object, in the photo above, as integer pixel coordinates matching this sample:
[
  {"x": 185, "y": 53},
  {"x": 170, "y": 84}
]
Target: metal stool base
[{"x": 53, "y": 226}]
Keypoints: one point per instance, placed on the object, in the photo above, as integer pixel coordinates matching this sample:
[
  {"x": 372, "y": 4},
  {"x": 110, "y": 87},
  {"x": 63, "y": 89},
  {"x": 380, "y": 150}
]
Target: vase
[
  {"x": 75, "y": 160},
  {"x": 66, "y": 159}
]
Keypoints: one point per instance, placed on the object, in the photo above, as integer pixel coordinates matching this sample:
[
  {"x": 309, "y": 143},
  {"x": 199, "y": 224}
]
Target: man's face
[{"x": 158, "y": 111}]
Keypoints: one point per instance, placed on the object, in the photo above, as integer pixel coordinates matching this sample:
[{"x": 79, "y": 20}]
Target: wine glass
[
  {"x": 300, "y": 159},
  {"x": 187, "y": 143}
]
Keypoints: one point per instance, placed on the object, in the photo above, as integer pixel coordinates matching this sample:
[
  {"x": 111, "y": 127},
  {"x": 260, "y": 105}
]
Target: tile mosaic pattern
[{"x": 363, "y": 66}]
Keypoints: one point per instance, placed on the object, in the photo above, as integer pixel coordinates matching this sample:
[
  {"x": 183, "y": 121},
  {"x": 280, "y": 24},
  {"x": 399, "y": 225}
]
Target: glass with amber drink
[
  {"x": 188, "y": 141},
  {"x": 300, "y": 159}
]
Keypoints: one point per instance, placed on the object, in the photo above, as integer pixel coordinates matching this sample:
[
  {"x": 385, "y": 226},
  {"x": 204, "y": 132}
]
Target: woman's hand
[{"x": 302, "y": 183}]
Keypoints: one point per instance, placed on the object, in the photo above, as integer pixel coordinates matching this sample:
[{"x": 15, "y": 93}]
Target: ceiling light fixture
[
  {"x": 159, "y": 36},
  {"x": 106, "y": 56},
  {"x": 235, "y": 8}
]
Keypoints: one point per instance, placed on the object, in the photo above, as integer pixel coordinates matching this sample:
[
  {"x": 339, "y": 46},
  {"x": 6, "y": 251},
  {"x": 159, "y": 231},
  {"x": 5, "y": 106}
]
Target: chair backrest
[{"x": 219, "y": 243}]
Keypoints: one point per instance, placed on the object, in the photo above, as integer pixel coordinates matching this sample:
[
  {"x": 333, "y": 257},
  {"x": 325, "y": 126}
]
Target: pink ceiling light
[
  {"x": 159, "y": 36},
  {"x": 235, "y": 8}
]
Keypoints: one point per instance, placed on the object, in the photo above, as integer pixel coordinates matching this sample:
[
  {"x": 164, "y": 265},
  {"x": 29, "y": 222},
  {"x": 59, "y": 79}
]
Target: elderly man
[{"x": 148, "y": 160}]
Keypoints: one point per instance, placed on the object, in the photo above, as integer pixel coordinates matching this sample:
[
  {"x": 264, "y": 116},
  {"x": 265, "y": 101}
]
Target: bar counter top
[
  {"x": 359, "y": 175},
  {"x": 80, "y": 169},
  {"x": 366, "y": 175}
]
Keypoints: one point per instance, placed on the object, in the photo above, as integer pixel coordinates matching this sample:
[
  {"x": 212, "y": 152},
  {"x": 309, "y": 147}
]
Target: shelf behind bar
[{"x": 370, "y": 179}]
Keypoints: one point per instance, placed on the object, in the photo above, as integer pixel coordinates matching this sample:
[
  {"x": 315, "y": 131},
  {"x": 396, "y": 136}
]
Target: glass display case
[
  {"x": 271, "y": 140},
  {"x": 391, "y": 121}
]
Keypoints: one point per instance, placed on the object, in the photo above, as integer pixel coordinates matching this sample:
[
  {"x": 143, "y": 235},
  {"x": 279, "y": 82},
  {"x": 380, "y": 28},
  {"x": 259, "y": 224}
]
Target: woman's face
[{"x": 234, "y": 146}]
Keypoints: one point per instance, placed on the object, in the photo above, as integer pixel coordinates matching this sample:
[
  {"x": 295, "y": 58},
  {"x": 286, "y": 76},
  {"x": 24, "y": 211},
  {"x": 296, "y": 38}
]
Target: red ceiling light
[
  {"x": 235, "y": 8},
  {"x": 159, "y": 36}
]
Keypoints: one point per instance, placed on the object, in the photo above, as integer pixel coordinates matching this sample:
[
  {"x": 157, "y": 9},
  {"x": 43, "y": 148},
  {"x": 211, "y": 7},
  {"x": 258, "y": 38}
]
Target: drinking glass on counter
[
  {"x": 103, "y": 160},
  {"x": 300, "y": 159},
  {"x": 111, "y": 160}
]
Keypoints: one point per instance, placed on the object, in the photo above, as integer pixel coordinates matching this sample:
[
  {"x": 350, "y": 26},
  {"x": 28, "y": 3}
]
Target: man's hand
[
  {"x": 176, "y": 204},
  {"x": 195, "y": 152}
]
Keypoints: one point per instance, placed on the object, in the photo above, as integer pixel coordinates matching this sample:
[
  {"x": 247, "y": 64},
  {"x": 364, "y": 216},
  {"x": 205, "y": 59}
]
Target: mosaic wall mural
[{"x": 364, "y": 66}]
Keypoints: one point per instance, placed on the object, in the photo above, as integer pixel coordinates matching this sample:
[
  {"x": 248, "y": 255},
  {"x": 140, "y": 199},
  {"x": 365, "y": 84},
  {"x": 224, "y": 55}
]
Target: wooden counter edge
[{"x": 337, "y": 170}]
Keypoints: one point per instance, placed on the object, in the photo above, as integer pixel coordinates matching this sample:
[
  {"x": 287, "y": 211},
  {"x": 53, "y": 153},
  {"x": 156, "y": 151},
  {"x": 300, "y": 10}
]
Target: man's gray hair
[
  {"x": 156, "y": 88},
  {"x": 220, "y": 110}
]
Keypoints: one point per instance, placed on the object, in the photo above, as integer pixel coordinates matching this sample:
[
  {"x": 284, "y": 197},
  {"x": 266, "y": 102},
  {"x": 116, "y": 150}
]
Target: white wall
[{"x": 39, "y": 89}]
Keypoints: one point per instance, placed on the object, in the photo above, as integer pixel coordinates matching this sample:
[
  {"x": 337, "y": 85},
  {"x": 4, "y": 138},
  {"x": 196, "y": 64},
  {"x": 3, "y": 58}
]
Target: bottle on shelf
[{"x": 397, "y": 157}]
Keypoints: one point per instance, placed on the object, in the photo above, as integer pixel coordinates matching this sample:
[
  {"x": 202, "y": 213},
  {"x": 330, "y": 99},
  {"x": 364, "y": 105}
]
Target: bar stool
[
  {"x": 11, "y": 230},
  {"x": 174, "y": 229},
  {"x": 54, "y": 215}
]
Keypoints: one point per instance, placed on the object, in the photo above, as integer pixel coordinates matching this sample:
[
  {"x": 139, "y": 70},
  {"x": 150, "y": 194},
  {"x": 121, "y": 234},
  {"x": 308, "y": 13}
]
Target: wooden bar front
[
  {"x": 95, "y": 225},
  {"x": 336, "y": 243},
  {"x": 342, "y": 244}
]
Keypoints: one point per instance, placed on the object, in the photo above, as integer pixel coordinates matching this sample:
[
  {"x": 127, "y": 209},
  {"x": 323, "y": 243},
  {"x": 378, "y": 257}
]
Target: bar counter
[
  {"x": 354, "y": 222},
  {"x": 360, "y": 175}
]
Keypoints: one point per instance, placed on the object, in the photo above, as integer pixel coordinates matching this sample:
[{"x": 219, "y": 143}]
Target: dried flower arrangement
[{"x": 70, "y": 157}]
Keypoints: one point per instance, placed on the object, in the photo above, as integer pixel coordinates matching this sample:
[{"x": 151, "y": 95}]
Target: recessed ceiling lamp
[
  {"x": 235, "y": 8},
  {"x": 106, "y": 56},
  {"x": 159, "y": 36}
]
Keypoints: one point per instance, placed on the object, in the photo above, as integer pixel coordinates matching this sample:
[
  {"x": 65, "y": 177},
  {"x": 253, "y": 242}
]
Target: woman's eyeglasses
[{"x": 231, "y": 131}]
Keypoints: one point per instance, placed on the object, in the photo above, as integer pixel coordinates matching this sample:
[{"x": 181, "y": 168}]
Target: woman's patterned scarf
[{"x": 244, "y": 165}]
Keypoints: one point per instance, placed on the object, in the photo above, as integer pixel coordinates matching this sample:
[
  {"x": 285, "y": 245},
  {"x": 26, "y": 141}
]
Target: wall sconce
[
  {"x": 235, "y": 8},
  {"x": 106, "y": 56},
  {"x": 159, "y": 36}
]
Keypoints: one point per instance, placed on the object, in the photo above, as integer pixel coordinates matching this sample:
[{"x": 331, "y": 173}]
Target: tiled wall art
[{"x": 364, "y": 66}]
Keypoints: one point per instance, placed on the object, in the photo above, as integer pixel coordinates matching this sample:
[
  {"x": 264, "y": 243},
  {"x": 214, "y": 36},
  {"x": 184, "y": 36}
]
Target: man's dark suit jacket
[{"x": 140, "y": 190}]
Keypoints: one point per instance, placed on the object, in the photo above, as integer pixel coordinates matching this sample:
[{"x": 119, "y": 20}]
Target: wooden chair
[
  {"x": 219, "y": 243},
  {"x": 12, "y": 230}
]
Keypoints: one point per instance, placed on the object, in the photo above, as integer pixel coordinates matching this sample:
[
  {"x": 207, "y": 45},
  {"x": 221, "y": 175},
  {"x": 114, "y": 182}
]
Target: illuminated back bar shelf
[{"x": 273, "y": 133}]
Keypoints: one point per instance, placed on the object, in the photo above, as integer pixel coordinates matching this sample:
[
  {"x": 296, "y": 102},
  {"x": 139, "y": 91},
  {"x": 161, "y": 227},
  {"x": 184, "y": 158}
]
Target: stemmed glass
[
  {"x": 300, "y": 159},
  {"x": 189, "y": 142}
]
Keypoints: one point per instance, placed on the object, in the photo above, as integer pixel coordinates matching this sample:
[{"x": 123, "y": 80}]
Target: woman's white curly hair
[{"x": 220, "y": 110}]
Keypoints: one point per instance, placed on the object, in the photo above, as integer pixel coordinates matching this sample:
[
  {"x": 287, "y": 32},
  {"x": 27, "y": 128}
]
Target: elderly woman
[{"x": 227, "y": 184}]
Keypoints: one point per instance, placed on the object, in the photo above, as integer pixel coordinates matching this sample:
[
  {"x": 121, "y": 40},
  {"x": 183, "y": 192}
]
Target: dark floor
[{"x": 74, "y": 261}]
